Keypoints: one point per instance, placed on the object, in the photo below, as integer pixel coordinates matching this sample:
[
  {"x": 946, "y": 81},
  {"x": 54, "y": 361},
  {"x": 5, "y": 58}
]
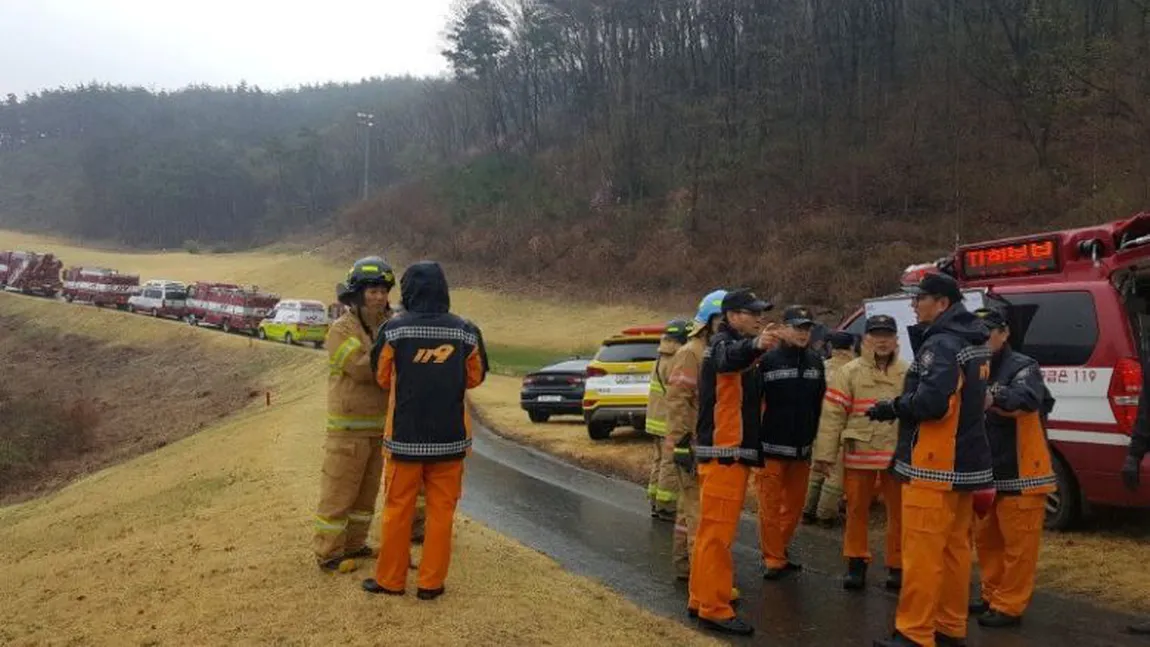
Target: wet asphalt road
[{"x": 600, "y": 527}]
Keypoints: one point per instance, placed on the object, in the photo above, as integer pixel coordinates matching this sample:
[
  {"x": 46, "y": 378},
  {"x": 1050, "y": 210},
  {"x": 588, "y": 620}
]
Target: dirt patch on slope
[{"x": 71, "y": 404}]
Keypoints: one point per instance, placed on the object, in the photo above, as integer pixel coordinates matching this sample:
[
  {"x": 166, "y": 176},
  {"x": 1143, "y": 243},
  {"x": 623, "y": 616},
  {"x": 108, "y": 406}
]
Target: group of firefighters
[{"x": 954, "y": 442}]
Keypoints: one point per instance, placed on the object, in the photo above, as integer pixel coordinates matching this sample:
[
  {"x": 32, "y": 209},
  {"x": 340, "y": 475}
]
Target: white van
[{"x": 160, "y": 298}]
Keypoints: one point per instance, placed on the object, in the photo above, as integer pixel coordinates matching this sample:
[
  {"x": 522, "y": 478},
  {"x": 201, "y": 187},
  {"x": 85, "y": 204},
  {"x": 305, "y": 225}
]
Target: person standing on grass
[
  {"x": 1008, "y": 537},
  {"x": 864, "y": 448},
  {"x": 427, "y": 358},
  {"x": 794, "y": 380},
  {"x": 356, "y": 413},
  {"x": 728, "y": 445},
  {"x": 825, "y": 491},
  {"x": 663, "y": 486}
]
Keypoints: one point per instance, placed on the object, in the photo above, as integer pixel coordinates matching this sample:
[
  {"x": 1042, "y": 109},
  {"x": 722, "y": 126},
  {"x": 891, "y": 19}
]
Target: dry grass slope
[{"x": 206, "y": 542}]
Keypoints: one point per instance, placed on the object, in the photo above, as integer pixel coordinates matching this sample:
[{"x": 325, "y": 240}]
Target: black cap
[
  {"x": 797, "y": 316},
  {"x": 841, "y": 340},
  {"x": 744, "y": 299},
  {"x": 881, "y": 322},
  {"x": 993, "y": 319},
  {"x": 936, "y": 285}
]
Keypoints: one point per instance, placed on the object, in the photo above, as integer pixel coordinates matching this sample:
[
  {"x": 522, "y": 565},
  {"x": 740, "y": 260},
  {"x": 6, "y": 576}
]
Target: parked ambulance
[
  {"x": 160, "y": 298},
  {"x": 295, "y": 321},
  {"x": 1079, "y": 303}
]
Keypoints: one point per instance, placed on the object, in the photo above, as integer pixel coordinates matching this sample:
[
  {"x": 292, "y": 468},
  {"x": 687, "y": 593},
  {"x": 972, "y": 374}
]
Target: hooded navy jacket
[{"x": 427, "y": 358}]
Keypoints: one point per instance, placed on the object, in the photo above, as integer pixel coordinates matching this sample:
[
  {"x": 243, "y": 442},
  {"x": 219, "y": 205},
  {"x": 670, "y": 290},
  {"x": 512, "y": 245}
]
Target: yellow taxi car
[{"x": 619, "y": 380}]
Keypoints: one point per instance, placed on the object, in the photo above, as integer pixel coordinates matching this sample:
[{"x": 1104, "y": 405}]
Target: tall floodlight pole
[{"x": 366, "y": 119}]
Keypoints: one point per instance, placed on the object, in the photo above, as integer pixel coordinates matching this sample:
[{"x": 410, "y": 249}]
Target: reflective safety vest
[{"x": 851, "y": 391}]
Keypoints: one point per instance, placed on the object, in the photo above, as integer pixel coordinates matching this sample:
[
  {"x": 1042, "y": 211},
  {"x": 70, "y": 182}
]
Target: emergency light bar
[
  {"x": 913, "y": 274},
  {"x": 1034, "y": 256},
  {"x": 645, "y": 330}
]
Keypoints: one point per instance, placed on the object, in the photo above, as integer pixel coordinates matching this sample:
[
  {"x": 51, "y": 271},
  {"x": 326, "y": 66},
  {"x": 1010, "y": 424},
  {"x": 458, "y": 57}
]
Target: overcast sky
[{"x": 163, "y": 44}]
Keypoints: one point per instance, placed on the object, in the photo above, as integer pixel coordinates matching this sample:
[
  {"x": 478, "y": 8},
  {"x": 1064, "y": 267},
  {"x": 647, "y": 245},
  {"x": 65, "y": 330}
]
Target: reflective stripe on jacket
[
  {"x": 355, "y": 403},
  {"x": 851, "y": 391}
]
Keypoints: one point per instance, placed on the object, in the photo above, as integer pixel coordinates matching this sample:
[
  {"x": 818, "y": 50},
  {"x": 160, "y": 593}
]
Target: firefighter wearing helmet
[
  {"x": 662, "y": 486},
  {"x": 682, "y": 415},
  {"x": 356, "y": 415}
]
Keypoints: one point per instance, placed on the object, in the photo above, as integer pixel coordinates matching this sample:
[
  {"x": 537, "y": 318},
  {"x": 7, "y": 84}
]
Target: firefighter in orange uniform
[
  {"x": 867, "y": 447},
  {"x": 794, "y": 380},
  {"x": 427, "y": 358},
  {"x": 728, "y": 445},
  {"x": 944, "y": 460},
  {"x": 1007, "y": 538},
  {"x": 356, "y": 413},
  {"x": 825, "y": 492}
]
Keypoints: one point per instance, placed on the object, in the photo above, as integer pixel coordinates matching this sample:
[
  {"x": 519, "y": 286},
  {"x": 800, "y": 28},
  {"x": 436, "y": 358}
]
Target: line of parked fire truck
[{"x": 226, "y": 306}]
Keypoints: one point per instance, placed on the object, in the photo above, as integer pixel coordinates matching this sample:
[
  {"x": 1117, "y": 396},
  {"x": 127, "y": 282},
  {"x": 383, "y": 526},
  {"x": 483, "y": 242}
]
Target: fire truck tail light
[{"x": 1125, "y": 390}]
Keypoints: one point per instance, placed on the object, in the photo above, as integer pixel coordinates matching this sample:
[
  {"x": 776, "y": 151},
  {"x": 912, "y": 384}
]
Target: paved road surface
[{"x": 600, "y": 527}]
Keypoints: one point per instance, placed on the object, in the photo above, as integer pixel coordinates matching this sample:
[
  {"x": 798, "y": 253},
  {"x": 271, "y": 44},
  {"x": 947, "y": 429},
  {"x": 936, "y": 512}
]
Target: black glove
[
  {"x": 883, "y": 411},
  {"x": 1131, "y": 472}
]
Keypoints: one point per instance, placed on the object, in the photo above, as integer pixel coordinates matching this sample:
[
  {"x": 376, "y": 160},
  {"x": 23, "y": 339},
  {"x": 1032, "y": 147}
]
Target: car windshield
[{"x": 631, "y": 351}]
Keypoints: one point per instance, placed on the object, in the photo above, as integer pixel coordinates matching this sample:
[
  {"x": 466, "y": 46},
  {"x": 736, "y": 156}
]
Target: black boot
[
  {"x": 978, "y": 608},
  {"x": 855, "y": 579},
  {"x": 1139, "y": 629},
  {"x": 897, "y": 640},
  {"x": 371, "y": 586},
  {"x": 996, "y": 620},
  {"x": 943, "y": 640},
  {"x": 894, "y": 579},
  {"x": 809, "y": 518},
  {"x": 730, "y": 626},
  {"x": 430, "y": 594}
]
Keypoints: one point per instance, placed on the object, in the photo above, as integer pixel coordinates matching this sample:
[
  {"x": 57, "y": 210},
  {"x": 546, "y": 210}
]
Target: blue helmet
[{"x": 710, "y": 306}]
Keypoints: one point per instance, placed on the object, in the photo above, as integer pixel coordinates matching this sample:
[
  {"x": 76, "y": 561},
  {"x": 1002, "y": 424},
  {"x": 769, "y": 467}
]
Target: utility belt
[{"x": 684, "y": 454}]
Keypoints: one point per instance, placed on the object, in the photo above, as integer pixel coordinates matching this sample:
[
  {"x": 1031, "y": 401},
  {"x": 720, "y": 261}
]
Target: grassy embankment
[{"x": 206, "y": 540}]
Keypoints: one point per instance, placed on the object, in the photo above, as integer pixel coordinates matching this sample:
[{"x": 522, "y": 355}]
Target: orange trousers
[
  {"x": 1007, "y": 540},
  {"x": 861, "y": 487},
  {"x": 443, "y": 485},
  {"x": 722, "y": 490},
  {"x": 936, "y": 528},
  {"x": 782, "y": 492}
]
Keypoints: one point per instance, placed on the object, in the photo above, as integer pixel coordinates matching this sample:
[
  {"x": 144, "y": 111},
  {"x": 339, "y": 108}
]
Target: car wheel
[
  {"x": 288, "y": 339},
  {"x": 226, "y": 327},
  {"x": 192, "y": 320},
  {"x": 131, "y": 309},
  {"x": 155, "y": 313},
  {"x": 319, "y": 345},
  {"x": 1063, "y": 505},
  {"x": 261, "y": 334},
  {"x": 599, "y": 430},
  {"x": 68, "y": 298},
  {"x": 640, "y": 425},
  {"x": 539, "y": 416}
]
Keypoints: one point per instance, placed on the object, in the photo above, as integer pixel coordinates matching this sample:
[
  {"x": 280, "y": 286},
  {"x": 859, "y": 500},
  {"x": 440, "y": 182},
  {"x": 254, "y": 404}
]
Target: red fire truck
[
  {"x": 100, "y": 286},
  {"x": 1078, "y": 302},
  {"x": 227, "y": 306},
  {"x": 30, "y": 273}
]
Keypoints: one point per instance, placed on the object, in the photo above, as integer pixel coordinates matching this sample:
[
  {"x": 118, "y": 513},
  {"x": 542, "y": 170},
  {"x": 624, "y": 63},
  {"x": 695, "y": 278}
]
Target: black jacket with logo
[
  {"x": 942, "y": 432},
  {"x": 428, "y": 358},
  {"x": 794, "y": 382}
]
